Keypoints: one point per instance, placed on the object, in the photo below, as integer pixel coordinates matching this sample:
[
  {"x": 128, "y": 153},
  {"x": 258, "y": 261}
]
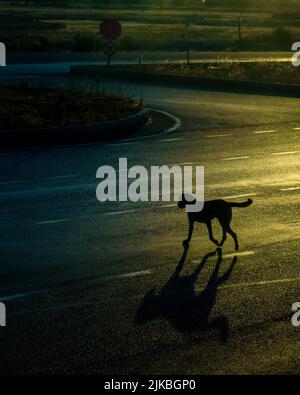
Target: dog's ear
[
  {"x": 184, "y": 201},
  {"x": 188, "y": 199}
]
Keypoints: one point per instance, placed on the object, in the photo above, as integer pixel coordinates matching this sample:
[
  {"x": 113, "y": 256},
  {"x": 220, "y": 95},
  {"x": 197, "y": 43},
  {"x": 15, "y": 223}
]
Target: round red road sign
[{"x": 111, "y": 29}]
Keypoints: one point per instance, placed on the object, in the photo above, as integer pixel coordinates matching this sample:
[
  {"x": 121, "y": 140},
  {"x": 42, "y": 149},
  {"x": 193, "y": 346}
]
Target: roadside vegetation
[
  {"x": 26, "y": 107},
  {"x": 31, "y": 27},
  {"x": 275, "y": 72}
]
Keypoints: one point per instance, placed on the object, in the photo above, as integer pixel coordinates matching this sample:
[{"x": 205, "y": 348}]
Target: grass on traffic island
[{"x": 24, "y": 108}]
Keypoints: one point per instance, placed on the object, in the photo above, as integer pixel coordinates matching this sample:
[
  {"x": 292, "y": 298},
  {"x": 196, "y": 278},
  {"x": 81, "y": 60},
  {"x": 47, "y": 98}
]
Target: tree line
[{"x": 159, "y": 3}]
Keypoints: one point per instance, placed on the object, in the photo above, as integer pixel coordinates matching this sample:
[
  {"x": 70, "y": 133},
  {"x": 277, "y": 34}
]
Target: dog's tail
[{"x": 245, "y": 204}]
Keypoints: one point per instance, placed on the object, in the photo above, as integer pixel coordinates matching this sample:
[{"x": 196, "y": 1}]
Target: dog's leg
[
  {"x": 191, "y": 229},
  {"x": 210, "y": 232},
  {"x": 234, "y": 236},
  {"x": 225, "y": 220},
  {"x": 223, "y": 238}
]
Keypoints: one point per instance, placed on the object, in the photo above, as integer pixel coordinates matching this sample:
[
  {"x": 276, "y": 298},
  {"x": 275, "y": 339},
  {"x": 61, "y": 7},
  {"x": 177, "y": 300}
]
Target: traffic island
[{"x": 43, "y": 116}]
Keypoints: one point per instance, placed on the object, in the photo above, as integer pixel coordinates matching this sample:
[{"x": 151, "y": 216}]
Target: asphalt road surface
[{"x": 95, "y": 287}]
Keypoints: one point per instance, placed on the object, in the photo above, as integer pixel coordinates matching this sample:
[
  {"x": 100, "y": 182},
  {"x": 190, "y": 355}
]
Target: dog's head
[{"x": 186, "y": 199}]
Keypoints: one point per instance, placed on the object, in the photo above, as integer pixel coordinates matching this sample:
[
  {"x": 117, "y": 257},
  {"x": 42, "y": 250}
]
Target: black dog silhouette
[
  {"x": 219, "y": 209},
  {"x": 187, "y": 309}
]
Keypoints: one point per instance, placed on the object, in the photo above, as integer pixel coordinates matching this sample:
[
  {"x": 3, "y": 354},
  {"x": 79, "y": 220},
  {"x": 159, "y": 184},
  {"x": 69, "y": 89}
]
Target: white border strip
[{"x": 177, "y": 121}]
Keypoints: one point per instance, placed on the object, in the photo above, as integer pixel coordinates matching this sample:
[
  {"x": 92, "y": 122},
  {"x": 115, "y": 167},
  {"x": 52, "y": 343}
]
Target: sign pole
[
  {"x": 110, "y": 30},
  {"x": 188, "y": 56}
]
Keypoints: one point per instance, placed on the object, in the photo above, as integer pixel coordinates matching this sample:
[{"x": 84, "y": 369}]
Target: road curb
[
  {"x": 189, "y": 82},
  {"x": 103, "y": 131}
]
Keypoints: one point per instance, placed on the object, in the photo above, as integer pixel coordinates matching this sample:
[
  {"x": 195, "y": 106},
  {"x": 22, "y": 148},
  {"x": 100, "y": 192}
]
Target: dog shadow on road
[{"x": 187, "y": 309}]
